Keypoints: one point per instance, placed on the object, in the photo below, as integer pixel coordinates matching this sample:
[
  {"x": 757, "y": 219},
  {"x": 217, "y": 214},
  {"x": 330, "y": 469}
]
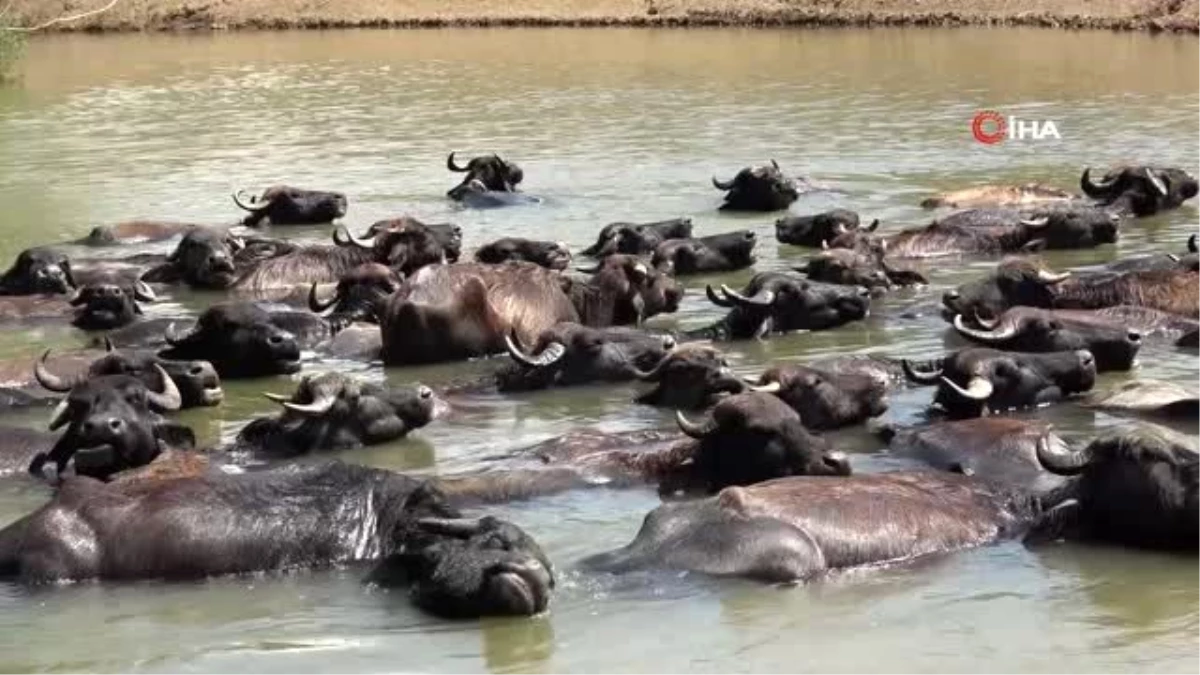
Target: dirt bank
[{"x": 153, "y": 15}]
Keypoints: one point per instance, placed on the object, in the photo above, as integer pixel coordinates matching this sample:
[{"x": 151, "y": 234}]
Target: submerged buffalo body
[
  {"x": 984, "y": 196},
  {"x": 638, "y": 238},
  {"x": 1029, "y": 329},
  {"x": 284, "y": 205},
  {"x": 716, "y": 253},
  {"x": 484, "y": 174}
]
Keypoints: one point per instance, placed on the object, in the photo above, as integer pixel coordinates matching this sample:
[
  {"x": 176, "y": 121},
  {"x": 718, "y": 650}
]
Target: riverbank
[{"x": 181, "y": 15}]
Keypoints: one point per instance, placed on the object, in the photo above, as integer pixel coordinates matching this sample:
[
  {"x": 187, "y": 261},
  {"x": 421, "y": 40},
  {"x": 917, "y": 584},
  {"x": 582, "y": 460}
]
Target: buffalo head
[
  {"x": 1029, "y": 329},
  {"x": 1016, "y": 281},
  {"x": 638, "y": 238},
  {"x": 238, "y": 339},
  {"x": 623, "y": 290},
  {"x": 824, "y": 399},
  {"x": 197, "y": 381},
  {"x": 550, "y": 254},
  {"x": 760, "y": 188},
  {"x": 716, "y": 253},
  {"x": 358, "y": 296},
  {"x": 406, "y": 245},
  {"x": 494, "y": 174},
  {"x": 38, "y": 271},
  {"x": 692, "y": 377},
  {"x": 107, "y": 305},
  {"x": 814, "y": 229},
  {"x": 204, "y": 258},
  {"x": 284, "y": 205},
  {"x": 570, "y": 354},
  {"x": 1140, "y": 190},
  {"x": 776, "y": 302}
]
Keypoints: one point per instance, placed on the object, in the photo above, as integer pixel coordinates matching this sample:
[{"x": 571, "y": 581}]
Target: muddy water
[{"x": 609, "y": 125}]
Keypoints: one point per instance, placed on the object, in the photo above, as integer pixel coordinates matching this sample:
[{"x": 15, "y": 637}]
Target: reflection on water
[{"x": 608, "y": 125}]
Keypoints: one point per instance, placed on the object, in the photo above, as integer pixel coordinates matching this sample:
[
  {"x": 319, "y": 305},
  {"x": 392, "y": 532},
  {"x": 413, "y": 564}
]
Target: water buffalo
[
  {"x": 623, "y": 290},
  {"x": 815, "y": 229},
  {"x": 448, "y": 235},
  {"x": 475, "y": 195},
  {"x": 295, "y": 517},
  {"x": 825, "y": 399},
  {"x": 550, "y": 254},
  {"x": 283, "y": 205},
  {"x": 715, "y": 253},
  {"x": 794, "y": 529},
  {"x": 204, "y": 258},
  {"x": 1029, "y": 329},
  {"x": 778, "y": 302},
  {"x": 691, "y": 377},
  {"x": 112, "y": 425},
  {"x": 110, "y": 304},
  {"x": 1020, "y": 281},
  {"x": 239, "y": 339},
  {"x": 985, "y": 196},
  {"x": 331, "y": 411},
  {"x": 1131, "y": 489},
  {"x": 569, "y": 354},
  {"x": 1140, "y": 190},
  {"x": 759, "y": 188},
  {"x": 38, "y": 271},
  {"x": 855, "y": 268},
  {"x": 638, "y": 238},
  {"x": 974, "y": 380},
  {"x": 135, "y": 231},
  {"x": 196, "y": 381},
  {"x": 1150, "y": 398},
  {"x": 1000, "y": 450},
  {"x": 359, "y": 295},
  {"x": 493, "y": 173}
]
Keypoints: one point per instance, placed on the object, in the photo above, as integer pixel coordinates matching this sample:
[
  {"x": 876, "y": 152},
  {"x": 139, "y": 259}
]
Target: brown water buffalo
[
  {"x": 109, "y": 304},
  {"x": 1140, "y": 190},
  {"x": 495, "y": 174},
  {"x": 638, "y": 238},
  {"x": 691, "y": 377},
  {"x": 141, "y": 231},
  {"x": 623, "y": 290},
  {"x": 1021, "y": 281},
  {"x": 331, "y": 411},
  {"x": 1030, "y": 329},
  {"x": 815, "y": 229},
  {"x": 985, "y": 196},
  {"x": 825, "y": 399},
  {"x": 856, "y": 268},
  {"x": 239, "y": 339},
  {"x": 112, "y": 425},
  {"x": 795, "y": 529},
  {"x": 715, "y": 253},
  {"x": 1134, "y": 489},
  {"x": 569, "y": 354},
  {"x": 550, "y": 254},
  {"x": 975, "y": 380},
  {"x": 38, "y": 271},
  {"x": 198, "y": 383},
  {"x": 1000, "y": 450},
  {"x": 758, "y": 188},
  {"x": 284, "y": 205},
  {"x": 295, "y": 517},
  {"x": 779, "y": 302}
]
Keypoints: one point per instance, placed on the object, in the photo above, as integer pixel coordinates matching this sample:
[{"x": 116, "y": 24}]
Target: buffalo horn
[
  {"x": 990, "y": 335},
  {"x": 49, "y": 380},
  {"x": 169, "y": 398},
  {"x": 548, "y": 356},
  {"x": 978, "y": 389},
  {"x": 763, "y": 298},
  {"x": 143, "y": 292},
  {"x": 251, "y": 206},
  {"x": 1095, "y": 190},
  {"x": 1060, "y": 459},
  {"x": 59, "y": 417},
  {"x": 452, "y": 166},
  {"x": 315, "y": 304},
  {"x": 695, "y": 430},
  {"x": 919, "y": 375}
]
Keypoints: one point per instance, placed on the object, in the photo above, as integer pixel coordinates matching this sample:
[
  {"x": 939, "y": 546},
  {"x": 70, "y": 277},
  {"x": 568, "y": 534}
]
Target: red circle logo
[{"x": 989, "y": 127}]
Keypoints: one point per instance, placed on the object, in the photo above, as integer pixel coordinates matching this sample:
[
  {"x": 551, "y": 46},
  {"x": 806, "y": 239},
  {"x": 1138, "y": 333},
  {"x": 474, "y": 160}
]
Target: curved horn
[
  {"x": 1192, "y": 244},
  {"x": 1036, "y": 222},
  {"x": 1155, "y": 181},
  {"x": 1062, "y": 460},
  {"x": 315, "y": 304},
  {"x": 763, "y": 298},
  {"x": 316, "y": 408},
  {"x": 695, "y": 430},
  {"x": 989, "y": 324},
  {"x": 173, "y": 337},
  {"x": 1095, "y": 190},
  {"x": 978, "y": 389},
  {"x": 589, "y": 270},
  {"x": 278, "y": 398},
  {"x": 775, "y": 164},
  {"x": 727, "y": 185},
  {"x": 169, "y": 398},
  {"x": 548, "y": 356},
  {"x": 59, "y": 416},
  {"x": 1049, "y": 277},
  {"x": 918, "y": 375},
  {"x": 714, "y": 298},
  {"x": 109, "y": 347},
  {"x": 990, "y": 335},
  {"x": 454, "y": 167},
  {"x": 49, "y": 380},
  {"x": 654, "y": 373},
  {"x": 251, "y": 206},
  {"x": 342, "y": 237},
  {"x": 143, "y": 292},
  {"x": 769, "y": 388}
]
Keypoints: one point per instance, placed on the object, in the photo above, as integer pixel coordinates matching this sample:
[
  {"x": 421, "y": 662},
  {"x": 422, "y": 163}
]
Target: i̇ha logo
[{"x": 990, "y": 127}]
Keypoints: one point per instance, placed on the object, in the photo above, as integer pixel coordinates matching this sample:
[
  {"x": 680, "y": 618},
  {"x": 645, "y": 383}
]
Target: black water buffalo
[
  {"x": 109, "y": 304},
  {"x": 974, "y": 380},
  {"x": 1000, "y": 450},
  {"x": 759, "y": 188},
  {"x": 638, "y": 238},
  {"x": 284, "y": 205},
  {"x": 295, "y": 517},
  {"x": 856, "y": 268},
  {"x": 778, "y": 302},
  {"x": 623, "y": 290},
  {"x": 1140, "y": 190},
  {"x": 238, "y": 339},
  {"x": 691, "y": 377},
  {"x": 1020, "y": 281},
  {"x": 135, "y": 231},
  {"x": 448, "y": 235},
  {"x": 331, "y": 411},
  {"x": 38, "y": 271},
  {"x": 551, "y": 254},
  {"x": 569, "y": 354},
  {"x": 1030, "y": 329},
  {"x": 1149, "y": 398},
  {"x": 818, "y": 228},
  {"x": 794, "y": 529},
  {"x": 475, "y": 195},
  {"x": 359, "y": 295},
  {"x": 112, "y": 425},
  {"x": 197, "y": 382},
  {"x": 985, "y": 196},
  {"x": 715, "y": 253},
  {"x": 825, "y": 399},
  {"x": 204, "y": 258},
  {"x": 1132, "y": 489},
  {"x": 493, "y": 173}
]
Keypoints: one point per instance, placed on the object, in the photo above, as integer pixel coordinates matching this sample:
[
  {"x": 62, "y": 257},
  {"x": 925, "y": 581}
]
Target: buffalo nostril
[
  {"x": 275, "y": 340},
  {"x": 424, "y": 392},
  {"x": 88, "y": 427},
  {"x": 950, "y": 295},
  {"x": 196, "y": 371},
  {"x": 1135, "y": 336},
  {"x": 115, "y": 424},
  {"x": 863, "y": 292}
]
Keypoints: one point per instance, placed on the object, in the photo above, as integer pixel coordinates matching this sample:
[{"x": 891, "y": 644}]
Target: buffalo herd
[{"x": 751, "y": 486}]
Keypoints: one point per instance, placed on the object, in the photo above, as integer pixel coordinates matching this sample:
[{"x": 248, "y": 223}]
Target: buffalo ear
[
  {"x": 873, "y": 226},
  {"x": 175, "y": 436}
]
